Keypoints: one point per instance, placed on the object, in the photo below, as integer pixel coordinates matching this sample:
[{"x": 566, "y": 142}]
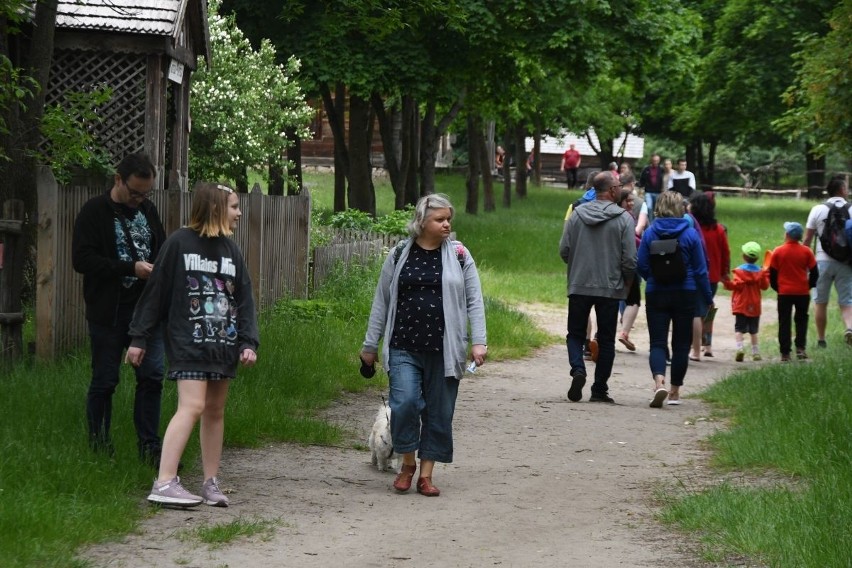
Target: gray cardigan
[{"x": 462, "y": 303}]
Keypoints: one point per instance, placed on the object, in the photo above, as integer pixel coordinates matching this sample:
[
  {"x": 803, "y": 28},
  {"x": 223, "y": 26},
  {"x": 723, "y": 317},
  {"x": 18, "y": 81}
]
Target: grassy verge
[{"x": 790, "y": 432}]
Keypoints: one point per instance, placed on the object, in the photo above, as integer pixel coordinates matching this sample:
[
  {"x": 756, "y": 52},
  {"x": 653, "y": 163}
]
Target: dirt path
[{"x": 537, "y": 480}]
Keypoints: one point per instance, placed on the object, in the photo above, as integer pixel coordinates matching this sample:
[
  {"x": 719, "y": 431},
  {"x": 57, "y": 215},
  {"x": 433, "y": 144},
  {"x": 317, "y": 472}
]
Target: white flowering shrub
[{"x": 241, "y": 105}]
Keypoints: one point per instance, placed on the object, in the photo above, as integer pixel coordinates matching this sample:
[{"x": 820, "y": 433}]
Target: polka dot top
[{"x": 419, "y": 324}]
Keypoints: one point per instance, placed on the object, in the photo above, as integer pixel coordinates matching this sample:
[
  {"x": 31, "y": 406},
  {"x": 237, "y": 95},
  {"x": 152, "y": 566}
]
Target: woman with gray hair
[{"x": 427, "y": 295}]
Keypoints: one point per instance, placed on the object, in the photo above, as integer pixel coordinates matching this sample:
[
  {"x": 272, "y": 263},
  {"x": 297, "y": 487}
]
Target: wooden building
[{"x": 145, "y": 51}]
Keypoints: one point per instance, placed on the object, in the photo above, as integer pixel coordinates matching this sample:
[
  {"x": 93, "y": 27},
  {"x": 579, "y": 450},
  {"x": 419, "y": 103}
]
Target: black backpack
[
  {"x": 833, "y": 237},
  {"x": 667, "y": 266}
]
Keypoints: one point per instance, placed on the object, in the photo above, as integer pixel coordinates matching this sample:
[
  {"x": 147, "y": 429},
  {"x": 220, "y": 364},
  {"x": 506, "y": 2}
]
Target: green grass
[
  {"x": 219, "y": 534},
  {"x": 790, "y": 428}
]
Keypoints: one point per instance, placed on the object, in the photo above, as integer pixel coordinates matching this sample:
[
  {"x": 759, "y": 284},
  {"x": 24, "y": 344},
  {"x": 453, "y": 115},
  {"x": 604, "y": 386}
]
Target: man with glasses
[
  {"x": 599, "y": 247},
  {"x": 117, "y": 236}
]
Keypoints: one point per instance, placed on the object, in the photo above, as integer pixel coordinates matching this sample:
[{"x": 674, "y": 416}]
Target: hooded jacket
[
  {"x": 746, "y": 285},
  {"x": 691, "y": 248},
  {"x": 599, "y": 247}
]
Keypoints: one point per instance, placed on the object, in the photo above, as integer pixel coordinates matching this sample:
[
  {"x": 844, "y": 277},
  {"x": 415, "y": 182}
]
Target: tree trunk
[
  {"x": 389, "y": 148},
  {"x": 536, "y": 152},
  {"x": 815, "y": 172},
  {"x": 485, "y": 155},
  {"x": 362, "y": 196},
  {"x": 507, "y": 169},
  {"x": 604, "y": 153},
  {"x": 711, "y": 163},
  {"x": 520, "y": 162},
  {"x": 430, "y": 135},
  {"x": 23, "y": 120},
  {"x": 335, "y": 111},
  {"x": 241, "y": 182},
  {"x": 294, "y": 156},
  {"x": 474, "y": 136},
  {"x": 428, "y": 149},
  {"x": 411, "y": 153}
]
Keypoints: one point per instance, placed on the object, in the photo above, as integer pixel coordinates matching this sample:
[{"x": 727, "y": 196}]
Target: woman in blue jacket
[{"x": 673, "y": 303}]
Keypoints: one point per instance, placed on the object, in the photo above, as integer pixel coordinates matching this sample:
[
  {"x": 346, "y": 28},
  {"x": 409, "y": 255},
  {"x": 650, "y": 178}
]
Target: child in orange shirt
[
  {"x": 747, "y": 282},
  {"x": 793, "y": 272}
]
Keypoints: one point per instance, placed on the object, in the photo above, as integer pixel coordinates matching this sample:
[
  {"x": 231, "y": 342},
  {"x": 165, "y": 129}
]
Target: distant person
[
  {"x": 651, "y": 180},
  {"x": 633, "y": 301},
  {"x": 117, "y": 237},
  {"x": 670, "y": 302},
  {"x": 668, "y": 170},
  {"x": 428, "y": 306},
  {"x": 613, "y": 170},
  {"x": 570, "y": 165},
  {"x": 681, "y": 180},
  {"x": 748, "y": 281},
  {"x": 793, "y": 272},
  {"x": 702, "y": 207},
  {"x": 201, "y": 291},
  {"x": 530, "y": 164},
  {"x": 831, "y": 270},
  {"x": 598, "y": 245},
  {"x": 624, "y": 169},
  {"x": 499, "y": 157}
]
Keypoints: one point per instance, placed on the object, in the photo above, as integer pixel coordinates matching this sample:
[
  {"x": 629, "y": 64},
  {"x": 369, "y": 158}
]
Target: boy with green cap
[{"x": 747, "y": 281}]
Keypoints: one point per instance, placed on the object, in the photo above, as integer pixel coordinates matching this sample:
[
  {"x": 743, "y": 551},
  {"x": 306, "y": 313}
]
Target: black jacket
[
  {"x": 645, "y": 180},
  {"x": 94, "y": 255}
]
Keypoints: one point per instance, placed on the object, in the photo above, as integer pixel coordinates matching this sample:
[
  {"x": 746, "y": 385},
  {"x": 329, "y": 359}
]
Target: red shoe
[
  {"x": 425, "y": 487},
  {"x": 402, "y": 483}
]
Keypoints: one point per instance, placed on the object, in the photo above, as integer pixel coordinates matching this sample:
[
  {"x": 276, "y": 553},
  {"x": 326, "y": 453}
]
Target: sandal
[{"x": 626, "y": 342}]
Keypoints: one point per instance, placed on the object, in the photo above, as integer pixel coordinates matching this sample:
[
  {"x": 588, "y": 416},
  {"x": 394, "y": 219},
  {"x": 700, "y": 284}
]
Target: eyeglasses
[
  {"x": 225, "y": 188},
  {"x": 136, "y": 194}
]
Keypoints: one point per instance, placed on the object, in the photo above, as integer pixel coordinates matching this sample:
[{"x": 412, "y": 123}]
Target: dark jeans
[
  {"x": 571, "y": 176},
  {"x": 579, "y": 309},
  {"x": 108, "y": 345},
  {"x": 786, "y": 303},
  {"x": 675, "y": 308}
]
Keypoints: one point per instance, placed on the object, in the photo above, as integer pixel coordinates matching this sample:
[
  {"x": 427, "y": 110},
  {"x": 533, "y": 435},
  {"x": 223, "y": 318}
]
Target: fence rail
[
  {"x": 273, "y": 235},
  {"x": 348, "y": 246}
]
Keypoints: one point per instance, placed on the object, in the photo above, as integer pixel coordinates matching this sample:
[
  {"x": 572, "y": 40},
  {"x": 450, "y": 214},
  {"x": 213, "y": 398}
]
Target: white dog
[{"x": 380, "y": 441}]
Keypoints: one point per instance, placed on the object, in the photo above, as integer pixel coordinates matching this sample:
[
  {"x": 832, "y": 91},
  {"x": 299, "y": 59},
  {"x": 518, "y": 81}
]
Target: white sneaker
[
  {"x": 173, "y": 493},
  {"x": 211, "y": 494}
]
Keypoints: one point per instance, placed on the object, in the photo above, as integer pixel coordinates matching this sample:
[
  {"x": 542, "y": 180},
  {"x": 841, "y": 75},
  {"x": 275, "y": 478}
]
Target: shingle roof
[{"x": 154, "y": 17}]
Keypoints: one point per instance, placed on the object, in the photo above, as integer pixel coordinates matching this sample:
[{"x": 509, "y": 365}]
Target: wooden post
[
  {"x": 11, "y": 281},
  {"x": 46, "y": 308},
  {"x": 254, "y": 254}
]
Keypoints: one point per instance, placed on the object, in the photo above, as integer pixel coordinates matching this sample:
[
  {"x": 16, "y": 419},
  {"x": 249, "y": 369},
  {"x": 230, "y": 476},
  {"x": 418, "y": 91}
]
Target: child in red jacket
[
  {"x": 793, "y": 272},
  {"x": 747, "y": 282}
]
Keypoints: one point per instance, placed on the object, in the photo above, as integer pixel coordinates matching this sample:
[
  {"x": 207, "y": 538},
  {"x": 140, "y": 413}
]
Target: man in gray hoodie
[{"x": 599, "y": 247}]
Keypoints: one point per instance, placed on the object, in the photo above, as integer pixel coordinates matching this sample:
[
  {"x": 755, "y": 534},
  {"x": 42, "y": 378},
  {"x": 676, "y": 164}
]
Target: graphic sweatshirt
[{"x": 200, "y": 289}]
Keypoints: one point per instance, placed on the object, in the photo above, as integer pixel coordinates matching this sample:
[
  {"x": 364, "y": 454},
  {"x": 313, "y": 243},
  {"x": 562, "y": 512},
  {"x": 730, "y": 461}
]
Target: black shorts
[{"x": 746, "y": 324}]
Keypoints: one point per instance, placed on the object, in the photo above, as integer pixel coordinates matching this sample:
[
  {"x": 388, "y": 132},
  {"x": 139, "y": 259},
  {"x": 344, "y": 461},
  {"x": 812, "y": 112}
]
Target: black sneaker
[
  {"x": 575, "y": 393},
  {"x": 822, "y": 344},
  {"x": 601, "y": 398},
  {"x": 101, "y": 445}
]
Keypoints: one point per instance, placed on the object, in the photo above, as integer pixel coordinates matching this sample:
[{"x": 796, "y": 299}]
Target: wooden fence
[
  {"x": 273, "y": 235},
  {"x": 347, "y": 247}
]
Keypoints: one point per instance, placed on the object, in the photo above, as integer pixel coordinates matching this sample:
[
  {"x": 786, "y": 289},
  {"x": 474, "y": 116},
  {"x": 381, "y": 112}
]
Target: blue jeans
[
  {"x": 579, "y": 309},
  {"x": 422, "y": 402},
  {"x": 651, "y": 202},
  {"x": 675, "y": 308},
  {"x": 108, "y": 345}
]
